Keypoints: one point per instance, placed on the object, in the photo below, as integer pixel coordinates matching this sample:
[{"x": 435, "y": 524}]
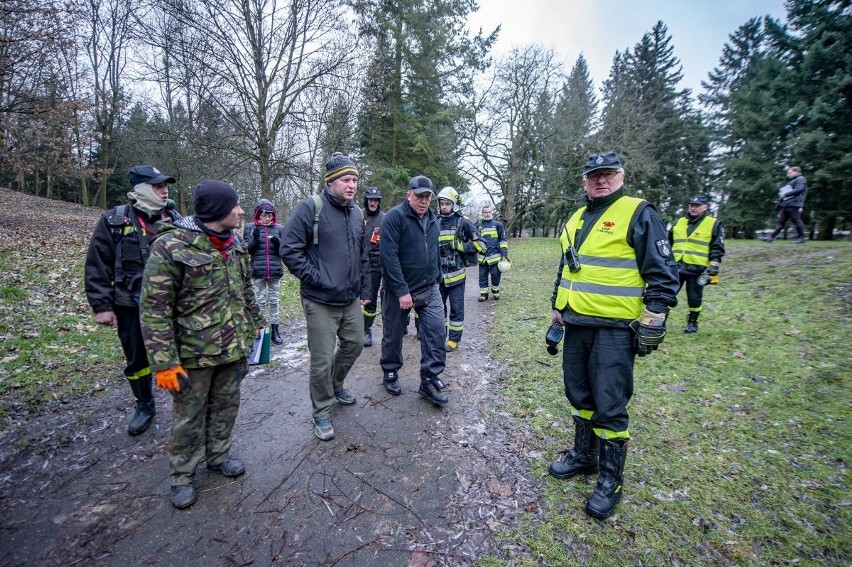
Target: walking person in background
[
  {"x": 324, "y": 247},
  {"x": 614, "y": 287},
  {"x": 263, "y": 236},
  {"x": 698, "y": 244},
  {"x": 411, "y": 272},
  {"x": 115, "y": 261},
  {"x": 458, "y": 237},
  {"x": 372, "y": 236},
  {"x": 199, "y": 317},
  {"x": 790, "y": 205},
  {"x": 494, "y": 234}
]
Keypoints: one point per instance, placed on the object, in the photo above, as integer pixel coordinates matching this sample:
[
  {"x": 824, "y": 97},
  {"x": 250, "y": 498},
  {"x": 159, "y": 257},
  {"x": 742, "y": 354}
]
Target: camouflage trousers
[
  {"x": 266, "y": 293},
  {"x": 204, "y": 414}
]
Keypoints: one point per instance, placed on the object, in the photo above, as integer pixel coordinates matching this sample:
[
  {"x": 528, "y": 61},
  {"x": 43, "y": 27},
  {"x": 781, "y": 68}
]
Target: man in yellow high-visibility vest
[
  {"x": 616, "y": 282},
  {"x": 698, "y": 243}
]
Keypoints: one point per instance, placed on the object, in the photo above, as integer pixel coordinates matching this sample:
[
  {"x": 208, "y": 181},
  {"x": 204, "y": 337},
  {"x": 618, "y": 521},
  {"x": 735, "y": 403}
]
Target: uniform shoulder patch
[{"x": 663, "y": 248}]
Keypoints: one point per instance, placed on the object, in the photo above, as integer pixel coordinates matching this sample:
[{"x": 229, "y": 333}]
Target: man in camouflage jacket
[{"x": 199, "y": 317}]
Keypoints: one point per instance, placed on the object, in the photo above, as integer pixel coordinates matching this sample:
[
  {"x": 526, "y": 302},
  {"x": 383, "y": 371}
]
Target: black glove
[
  {"x": 650, "y": 329},
  {"x": 713, "y": 268}
]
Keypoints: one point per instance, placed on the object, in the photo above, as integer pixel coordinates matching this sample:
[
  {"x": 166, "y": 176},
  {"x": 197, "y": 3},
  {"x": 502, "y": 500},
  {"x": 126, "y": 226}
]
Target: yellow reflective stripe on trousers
[
  {"x": 610, "y": 434},
  {"x": 140, "y": 374}
]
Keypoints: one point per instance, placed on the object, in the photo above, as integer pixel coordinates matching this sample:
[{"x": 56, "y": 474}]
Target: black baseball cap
[
  {"x": 149, "y": 174},
  {"x": 699, "y": 200},
  {"x": 420, "y": 184}
]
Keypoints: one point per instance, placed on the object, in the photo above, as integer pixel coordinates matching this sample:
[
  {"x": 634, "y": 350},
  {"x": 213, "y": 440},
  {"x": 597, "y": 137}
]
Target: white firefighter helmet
[
  {"x": 450, "y": 194},
  {"x": 504, "y": 265}
]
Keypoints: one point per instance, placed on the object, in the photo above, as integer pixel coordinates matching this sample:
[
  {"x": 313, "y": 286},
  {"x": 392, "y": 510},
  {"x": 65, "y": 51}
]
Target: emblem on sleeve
[{"x": 663, "y": 248}]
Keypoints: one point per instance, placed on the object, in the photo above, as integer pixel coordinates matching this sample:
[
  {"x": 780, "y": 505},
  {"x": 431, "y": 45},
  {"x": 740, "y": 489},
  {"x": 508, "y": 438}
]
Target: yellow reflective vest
[
  {"x": 608, "y": 283},
  {"x": 695, "y": 248}
]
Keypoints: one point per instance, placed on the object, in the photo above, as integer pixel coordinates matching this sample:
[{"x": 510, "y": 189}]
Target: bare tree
[
  {"x": 107, "y": 46},
  {"x": 511, "y": 127},
  {"x": 262, "y": 60}
]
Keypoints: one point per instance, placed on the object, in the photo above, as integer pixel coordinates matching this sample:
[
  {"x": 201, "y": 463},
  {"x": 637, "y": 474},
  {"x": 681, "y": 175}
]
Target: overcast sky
[{"x": 698, "y": 28}]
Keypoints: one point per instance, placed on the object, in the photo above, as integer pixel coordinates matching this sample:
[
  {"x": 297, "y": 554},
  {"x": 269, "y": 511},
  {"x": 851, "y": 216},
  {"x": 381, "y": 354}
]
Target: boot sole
[
  {"x": 599, "y": 515},
  {"x": 573, "y": 474},
  {"x": 433, "y": 400}
]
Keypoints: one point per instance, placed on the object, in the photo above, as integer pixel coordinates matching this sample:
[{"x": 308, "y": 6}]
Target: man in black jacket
[
  {"x": 328, "y": 257},
  {"x": 372, "y": 235},
  {"x": 263, "y": 237},
  {"x": 792, "y": 199},
  {"x": 411, "y": 273},
  {"x": 115, "y": 261}
]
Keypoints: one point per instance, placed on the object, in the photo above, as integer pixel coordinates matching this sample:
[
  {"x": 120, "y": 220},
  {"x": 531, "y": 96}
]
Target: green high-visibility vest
[
  {"x": 695, "y": 248},
  {"x": 609, "y": 283}
]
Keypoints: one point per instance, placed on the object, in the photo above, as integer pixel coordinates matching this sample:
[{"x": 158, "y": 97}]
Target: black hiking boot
[
  {"x": 391, "y": 382},
  {"x": 368, "y": 338},
  {"x": 183, "y": 496},
  {"x": 582, "y": 458},
  {"x": 428, "y": 390},
  {"x": 276, "y": 335},
  {"x": 145, "y": 407}
]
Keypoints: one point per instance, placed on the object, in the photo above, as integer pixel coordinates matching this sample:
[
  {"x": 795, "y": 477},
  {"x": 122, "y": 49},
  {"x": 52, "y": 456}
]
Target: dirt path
[{"x": 403, "y": 483}]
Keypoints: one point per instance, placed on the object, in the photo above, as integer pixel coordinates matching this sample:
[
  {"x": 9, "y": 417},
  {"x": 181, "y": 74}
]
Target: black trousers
[
  {"x": 694, "y": 292},
  {"x": 597, "y": 371},
  {"x": 792, "y": 214},
  {"x": 132, "y": 343},
  {"x": 371, "y": 308},
  {"x": 455, "y": 295},
  {"x": 433, "y": 354}
]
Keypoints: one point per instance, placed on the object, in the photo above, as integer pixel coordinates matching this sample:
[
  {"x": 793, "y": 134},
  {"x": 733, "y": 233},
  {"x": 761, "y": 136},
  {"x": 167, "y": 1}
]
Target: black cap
[
  {"x": 150, "y": 175},
  {"x": 699, "y": 200},
  {"x": 373, "y": 193},
  {"x": 604, "y": 160},
  {"x": 214, "y": 200},
  {"x": 420, "y": 184}
]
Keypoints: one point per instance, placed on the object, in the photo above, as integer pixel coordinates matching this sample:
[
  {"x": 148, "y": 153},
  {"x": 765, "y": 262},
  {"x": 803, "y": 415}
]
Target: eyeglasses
[{"x": 601, "y": 173}]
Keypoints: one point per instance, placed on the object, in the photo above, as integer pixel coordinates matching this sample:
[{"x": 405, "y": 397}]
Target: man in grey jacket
[
  {"x": 790, "y": 205},
  {"x": 326, "y": 254}
]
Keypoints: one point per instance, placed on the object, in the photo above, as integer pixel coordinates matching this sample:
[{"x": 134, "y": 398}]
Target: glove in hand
[
  {"x": 172, "y": 378},
  {"x": 459, "y": 245},
  {"x": 713, "y": 268},
  {"x": 650, "y": 329}
]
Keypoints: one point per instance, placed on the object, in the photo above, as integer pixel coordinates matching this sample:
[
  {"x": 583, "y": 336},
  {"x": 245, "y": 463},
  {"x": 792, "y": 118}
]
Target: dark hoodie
[{"x": 264, "y": 243}]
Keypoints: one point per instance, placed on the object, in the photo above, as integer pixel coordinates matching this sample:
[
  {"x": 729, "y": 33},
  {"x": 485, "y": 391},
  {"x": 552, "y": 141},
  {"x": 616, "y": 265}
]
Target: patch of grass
[{"x": 740, "y": 433}]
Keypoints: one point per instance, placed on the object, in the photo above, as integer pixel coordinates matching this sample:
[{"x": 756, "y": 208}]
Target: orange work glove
[{"x": 171, "y": 377}]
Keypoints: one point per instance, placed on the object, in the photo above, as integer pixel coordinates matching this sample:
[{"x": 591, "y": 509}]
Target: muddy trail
[{"x": 403, "y": 482}]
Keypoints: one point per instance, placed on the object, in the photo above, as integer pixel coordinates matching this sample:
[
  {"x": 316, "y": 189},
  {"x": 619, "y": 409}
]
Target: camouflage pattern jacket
[{"x": 197, "y": 308}]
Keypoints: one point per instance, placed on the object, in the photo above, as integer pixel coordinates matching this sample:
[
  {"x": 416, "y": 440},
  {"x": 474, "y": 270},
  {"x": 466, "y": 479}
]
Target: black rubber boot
[
  {"x": 276, "y": 335},
  {"x": 601, "y": 504},
  {"x": 583, "y": 457},
  {"x": 145, "y": 407},
  {"x": 368, "y": 338},
  {"x": 428, "y": 390},
  {"x": 692, "y": 322}
]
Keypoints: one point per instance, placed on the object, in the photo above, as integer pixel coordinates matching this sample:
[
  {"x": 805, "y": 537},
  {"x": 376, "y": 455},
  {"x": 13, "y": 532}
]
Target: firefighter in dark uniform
[
  {"x": 115, "y": 261},
  {"x": 497, "y": 249},
  {"x": 617, "y": 280},
  {"x": 373, "y": 216},
  {"x": 458, "y": 238},
  {"x": 698, "y": 244}
]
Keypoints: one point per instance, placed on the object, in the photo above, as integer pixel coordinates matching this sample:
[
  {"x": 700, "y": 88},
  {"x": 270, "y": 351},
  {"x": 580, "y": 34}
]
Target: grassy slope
[
  {"x": 740, "y": 433},
  {"x": 50, "y": 347}
]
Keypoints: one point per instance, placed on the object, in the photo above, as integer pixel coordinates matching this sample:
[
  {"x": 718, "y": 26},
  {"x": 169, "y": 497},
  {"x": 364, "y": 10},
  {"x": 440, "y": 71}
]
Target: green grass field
[{"x": 740, "y": 433}]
